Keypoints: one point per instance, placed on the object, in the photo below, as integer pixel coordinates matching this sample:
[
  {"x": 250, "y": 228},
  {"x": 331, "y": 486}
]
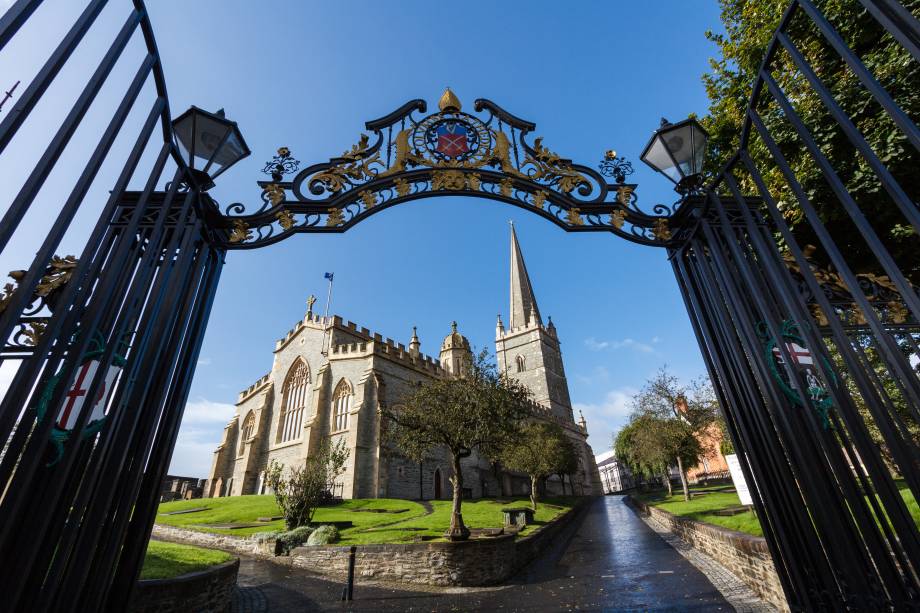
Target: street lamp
[
  {"x": 677, "y": 150},
  {"x": 209, "y": 140}
]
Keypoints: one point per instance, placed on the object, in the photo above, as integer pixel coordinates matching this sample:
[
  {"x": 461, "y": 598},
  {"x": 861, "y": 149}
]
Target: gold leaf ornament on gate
[
  {"x": 354, "y": 167},
  {"x": 553, "y": 170},
  {"x": 240, "y": 232},
  {"x": 285, "y": 219}
]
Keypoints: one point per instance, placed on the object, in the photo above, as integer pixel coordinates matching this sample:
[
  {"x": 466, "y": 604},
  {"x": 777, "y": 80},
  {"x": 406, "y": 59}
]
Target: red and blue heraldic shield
[{"x": 452, "y": 139}]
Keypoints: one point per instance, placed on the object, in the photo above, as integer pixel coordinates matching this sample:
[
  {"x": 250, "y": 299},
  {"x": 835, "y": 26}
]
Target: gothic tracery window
[
  {"x": 293, "y": 401},
  {"x": 520, "y": 363},
  {"x": 246, "y": 433},
  {"x": 341, "y": 405}
]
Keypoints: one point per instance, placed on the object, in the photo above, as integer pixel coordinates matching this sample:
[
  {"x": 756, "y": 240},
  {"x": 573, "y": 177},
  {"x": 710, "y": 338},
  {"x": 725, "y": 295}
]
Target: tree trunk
[
  {"x": 667, "y": 482},
  {"x": 563, "y": 484},
  {"x": 683, "y": 478},
  {"x": 533, "y": 492},
  {"x": 457, "y": 531}
]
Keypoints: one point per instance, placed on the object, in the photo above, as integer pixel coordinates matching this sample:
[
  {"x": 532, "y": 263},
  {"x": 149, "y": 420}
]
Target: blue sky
[{"x": 591, "y": 75}]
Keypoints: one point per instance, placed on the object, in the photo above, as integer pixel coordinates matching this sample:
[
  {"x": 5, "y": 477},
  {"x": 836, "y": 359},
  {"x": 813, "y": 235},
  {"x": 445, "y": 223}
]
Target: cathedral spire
[{"x": 524, "y": 309}]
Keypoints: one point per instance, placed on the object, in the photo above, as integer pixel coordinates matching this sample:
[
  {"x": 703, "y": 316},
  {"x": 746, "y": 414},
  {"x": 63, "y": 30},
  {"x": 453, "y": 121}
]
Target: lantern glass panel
[
  {"x": 687, "y": 144},
  {"x": 657, "y": 157}
]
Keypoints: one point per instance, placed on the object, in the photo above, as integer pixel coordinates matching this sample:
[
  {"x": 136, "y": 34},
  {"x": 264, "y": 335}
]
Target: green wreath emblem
[
  {"x": 819, "y": 397},
  {"x": 60, "y": 436}
]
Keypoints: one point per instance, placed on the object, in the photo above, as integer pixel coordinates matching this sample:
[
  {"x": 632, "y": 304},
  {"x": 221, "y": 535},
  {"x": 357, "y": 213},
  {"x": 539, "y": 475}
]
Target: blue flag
[{"x": 328, "y": 275}]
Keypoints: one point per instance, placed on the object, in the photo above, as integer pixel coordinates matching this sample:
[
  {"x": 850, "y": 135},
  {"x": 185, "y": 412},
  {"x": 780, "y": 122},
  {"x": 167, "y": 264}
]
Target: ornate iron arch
[{"x": 447, "y": 153}]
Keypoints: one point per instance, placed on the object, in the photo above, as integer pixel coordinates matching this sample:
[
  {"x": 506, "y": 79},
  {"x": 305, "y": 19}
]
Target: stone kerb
[
  {"x": 745, "y": 556},
  {"x": 207, "y": 590}
]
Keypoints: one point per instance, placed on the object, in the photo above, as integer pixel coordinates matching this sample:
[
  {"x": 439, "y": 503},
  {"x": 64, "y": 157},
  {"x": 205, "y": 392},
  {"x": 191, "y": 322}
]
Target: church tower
[{"x": 528, "y": 350}]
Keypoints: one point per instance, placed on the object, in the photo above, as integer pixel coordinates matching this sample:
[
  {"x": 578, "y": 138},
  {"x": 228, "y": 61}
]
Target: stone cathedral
[{"x": 329, "y": 378}]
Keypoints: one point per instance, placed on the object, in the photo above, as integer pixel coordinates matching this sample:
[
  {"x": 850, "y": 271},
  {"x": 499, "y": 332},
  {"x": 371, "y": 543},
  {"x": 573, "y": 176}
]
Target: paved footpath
[{"x": 613, "y": 562}]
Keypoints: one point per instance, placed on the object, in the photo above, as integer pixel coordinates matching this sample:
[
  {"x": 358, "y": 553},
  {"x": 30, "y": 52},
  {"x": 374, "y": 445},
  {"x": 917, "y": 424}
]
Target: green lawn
[
  {"x": 167, "y": 560},
  {"x": 247, "y": 509},
  {"x": 701, "y": 506},
  {"x": 368, "y": 526},
  {"x": 484, "y": 513}
]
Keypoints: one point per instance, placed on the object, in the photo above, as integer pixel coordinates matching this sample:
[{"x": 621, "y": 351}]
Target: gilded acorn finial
[{"x": 449, "y": 101}]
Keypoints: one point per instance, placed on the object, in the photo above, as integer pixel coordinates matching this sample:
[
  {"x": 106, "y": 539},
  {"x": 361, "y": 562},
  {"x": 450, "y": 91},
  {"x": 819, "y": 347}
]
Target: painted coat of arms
[
  {"x": 452, "y": 139},
  {"x": 77, "y": 396},
  {"x": 803, "y": 361}
]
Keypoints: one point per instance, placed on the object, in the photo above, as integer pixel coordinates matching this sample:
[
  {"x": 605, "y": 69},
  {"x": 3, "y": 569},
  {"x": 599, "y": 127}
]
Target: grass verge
[
  {"x": 708, "y": 499},
  {"x": 167, "y": 560}
]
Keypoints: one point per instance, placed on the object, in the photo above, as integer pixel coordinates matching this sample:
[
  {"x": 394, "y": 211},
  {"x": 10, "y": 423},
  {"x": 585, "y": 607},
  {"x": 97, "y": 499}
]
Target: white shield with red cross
[
  {"x": 76, "y": 396},
  {"x": 799, "y": 355}
]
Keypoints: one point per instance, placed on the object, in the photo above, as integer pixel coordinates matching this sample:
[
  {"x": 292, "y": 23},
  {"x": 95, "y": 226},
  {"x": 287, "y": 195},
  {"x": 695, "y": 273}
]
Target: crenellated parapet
[
  {"x": 249, "y": 391},
  {"x": 389, "y": 349}
]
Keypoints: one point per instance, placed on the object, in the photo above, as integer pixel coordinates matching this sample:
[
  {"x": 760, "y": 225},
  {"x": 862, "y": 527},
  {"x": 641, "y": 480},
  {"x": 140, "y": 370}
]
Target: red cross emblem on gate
[
  {"x": 75, "y": 398},
  {"x": 800, "y": 356}
]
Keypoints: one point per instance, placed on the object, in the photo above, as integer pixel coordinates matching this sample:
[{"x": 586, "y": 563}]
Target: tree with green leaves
[
  {"x": 641, "y": 447},
  {"x": 749, "y": 27},
  {"x": 680, "y": 415},
  {"x": 540, "y": 450},
  {"x": 305, "y": 487},
  {"x": 477, "y": 412},
  {"x": 567, "y": 464}
]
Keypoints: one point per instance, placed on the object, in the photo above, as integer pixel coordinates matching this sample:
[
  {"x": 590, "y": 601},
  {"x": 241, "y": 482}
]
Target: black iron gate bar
[{"x": 141, "y": 291}]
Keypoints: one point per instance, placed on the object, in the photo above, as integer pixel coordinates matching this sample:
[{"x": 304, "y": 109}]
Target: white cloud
[
  {"x": 194, "y": 452},
  {"x": 606, "y": 417},
  {"x": 627, "y": 343},
  {"x": 656, "y": 340},
  {"x": 204, "y": 361},
  {"x": 203, "y": 411},
  {"x": 201, "y": 432},
  {"x": 594, "y": 345}
]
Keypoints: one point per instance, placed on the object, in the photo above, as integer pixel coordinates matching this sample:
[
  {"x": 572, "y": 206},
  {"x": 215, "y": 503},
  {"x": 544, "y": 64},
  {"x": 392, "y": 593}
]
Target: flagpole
[{"x": 329, "y": 276}]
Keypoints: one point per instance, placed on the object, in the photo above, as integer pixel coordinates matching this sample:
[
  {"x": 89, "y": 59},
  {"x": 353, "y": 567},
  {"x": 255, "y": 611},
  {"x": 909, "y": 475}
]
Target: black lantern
[
  {"x": 677, "y": 150},
  {"x": 210, "y": 143}
]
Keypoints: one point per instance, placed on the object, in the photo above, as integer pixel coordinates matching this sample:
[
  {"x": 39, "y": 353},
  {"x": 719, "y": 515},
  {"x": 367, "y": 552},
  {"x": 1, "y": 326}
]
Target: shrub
[
  {"x": 323, "y": 535},
  {"x": 294, "y": 538},
  {"x": 305, "y": 487},
  {"x": 264, "y": 537}
]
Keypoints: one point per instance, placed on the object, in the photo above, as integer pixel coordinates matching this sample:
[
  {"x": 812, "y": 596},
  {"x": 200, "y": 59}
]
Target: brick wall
[
  {"x": 746, "y": 556},
  {"x": 208, "y": 590}
]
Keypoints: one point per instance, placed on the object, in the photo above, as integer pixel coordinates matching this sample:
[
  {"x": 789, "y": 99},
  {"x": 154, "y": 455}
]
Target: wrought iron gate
[{"x": 106, "y": 342}]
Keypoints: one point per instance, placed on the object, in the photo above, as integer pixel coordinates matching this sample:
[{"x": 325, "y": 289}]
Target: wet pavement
[{"x": 613, "y": 562}]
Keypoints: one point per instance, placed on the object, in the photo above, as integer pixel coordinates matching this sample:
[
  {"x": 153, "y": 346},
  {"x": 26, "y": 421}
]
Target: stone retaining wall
[
  {"x": 467, "y": 563},
  {"x": 224, "y": 542},
  {"x": 208, "y": 590},
  {"x": 746, "y": 556}
]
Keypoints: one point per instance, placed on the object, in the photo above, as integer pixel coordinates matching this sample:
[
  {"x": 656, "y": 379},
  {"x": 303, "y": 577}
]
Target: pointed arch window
[
  {"x": 246, "y": 433},
  {"x": 521, "y": 364},
  {"x": 293, "y": 402},
  {"x": 341, "y": 406}
]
